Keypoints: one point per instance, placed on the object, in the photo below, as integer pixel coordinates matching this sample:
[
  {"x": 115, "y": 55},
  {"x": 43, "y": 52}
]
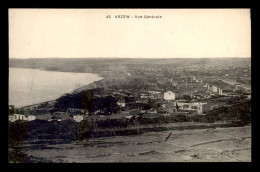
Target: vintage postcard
[{"x": 129, "y": 85}]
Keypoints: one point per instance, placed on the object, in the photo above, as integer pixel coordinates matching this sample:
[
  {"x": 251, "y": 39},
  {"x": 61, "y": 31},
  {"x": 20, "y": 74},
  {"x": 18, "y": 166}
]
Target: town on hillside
[{"x": 151, "y": 92}]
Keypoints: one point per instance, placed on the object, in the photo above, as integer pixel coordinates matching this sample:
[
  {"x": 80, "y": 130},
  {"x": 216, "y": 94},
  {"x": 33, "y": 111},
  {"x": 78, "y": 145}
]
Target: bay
[{"x": 32, "y": 86}]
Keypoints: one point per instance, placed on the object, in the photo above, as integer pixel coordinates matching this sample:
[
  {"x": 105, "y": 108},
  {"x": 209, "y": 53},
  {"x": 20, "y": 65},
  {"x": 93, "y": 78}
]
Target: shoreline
[
  {"x": 47, "y": 101},
  {"x": 49, "y": 70}
]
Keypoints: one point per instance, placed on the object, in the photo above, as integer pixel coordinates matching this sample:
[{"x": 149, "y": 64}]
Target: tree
[
  {"x": 187, "y": 97},
  {"x": 152, "y": 104},
  {"x": 84, "y": 130}
]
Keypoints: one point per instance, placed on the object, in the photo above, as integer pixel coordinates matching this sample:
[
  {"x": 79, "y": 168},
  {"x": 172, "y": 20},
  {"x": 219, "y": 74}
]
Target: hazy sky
[{"x": 37, "y": 33}]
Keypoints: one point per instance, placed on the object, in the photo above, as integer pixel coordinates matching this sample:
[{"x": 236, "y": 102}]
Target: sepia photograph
[{"x": 129, "y": 85}]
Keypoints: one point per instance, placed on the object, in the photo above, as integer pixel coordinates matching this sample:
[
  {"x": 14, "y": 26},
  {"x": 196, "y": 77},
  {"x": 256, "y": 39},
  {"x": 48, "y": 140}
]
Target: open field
[{"x": 200, "y": 145}]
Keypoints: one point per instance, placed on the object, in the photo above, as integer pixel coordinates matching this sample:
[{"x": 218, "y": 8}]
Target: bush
[
  {"x": 87, "y": 100},
  {"x": 20, "y": 131}
]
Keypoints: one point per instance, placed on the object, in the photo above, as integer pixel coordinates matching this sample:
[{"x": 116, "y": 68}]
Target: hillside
[{"x": 97, "y": 65}]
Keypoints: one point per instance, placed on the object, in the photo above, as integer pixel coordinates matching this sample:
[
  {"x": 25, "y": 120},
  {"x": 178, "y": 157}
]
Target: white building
[
  {"x": 154, "y": 92},
  {"x": 11, "y": 118},
  {"x": 200, "y": 107},
  {"x": 214, "y": 89},
  {"x": 128, "y": 116},
  {"x": 153, "y": 110},
  {"x": 169, "y": 95},
  {"x": 78, "y": 118},
  {"x": 121, "y": 103},
  {"x": 31, "y": 118},
  {"x": 15, "y": 117},
  {"x": 220, "y": 91},
  {"x": 19, "y": 117}
]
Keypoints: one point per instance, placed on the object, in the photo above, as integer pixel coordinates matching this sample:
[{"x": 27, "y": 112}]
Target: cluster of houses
[
  {"x": 214, "y": 89},
  {"x": 15, "y": 117},
  {"x": 169, "y": 105},
  {"x": 30, "y": 113},
  {"x": 56, "y": 116}
]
